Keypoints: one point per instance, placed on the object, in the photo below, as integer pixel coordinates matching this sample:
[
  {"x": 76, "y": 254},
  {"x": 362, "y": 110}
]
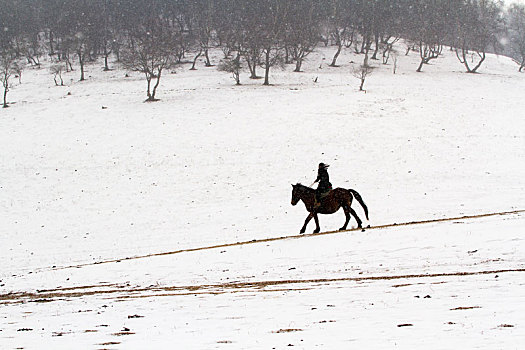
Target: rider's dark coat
[{"x": 324, "y": 182}]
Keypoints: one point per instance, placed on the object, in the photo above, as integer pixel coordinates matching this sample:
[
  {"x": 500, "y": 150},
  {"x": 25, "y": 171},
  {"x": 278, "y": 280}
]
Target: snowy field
[{"x": 120, "y": 219}]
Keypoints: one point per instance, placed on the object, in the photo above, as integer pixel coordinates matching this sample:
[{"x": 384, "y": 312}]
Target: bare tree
[
  {"x": 227, "y": 27},
  {"x": 252, "y": 53},
  {"x": 251, "y": 36},
  {"x": 340, "y": 26},
  {"x": 394, "y": 69},
  {"x": 203, "y": 12},
  {"x": 232, "y": 66},
  {"x": 150, "y": 52},
  {"x": 516, "y": 22},
  {"x": 478, "y": 25},
  {"x": 33, "y": 49},
  {"x": 57, "y": 70},
  {"x": 18, "y": 68},
  {"x": 274, "y": 20},
  {"x": 78, "y": 31},
  {"x": 388, "y": 48},
  {"x": 302, "y": 30},
  {"x": 410, "y": 46},
  {"x": 362, "y": 72},
  {"x": 427, "y": 26},
  {"x": 107, "y": 31},
  {"x": 8, "y": 67},
  {"x": 428, "y": 50},
  {"x": 78, "y": 43},
  {"x": 365, "y": 21},
  {"x": 389, "y": 25}
]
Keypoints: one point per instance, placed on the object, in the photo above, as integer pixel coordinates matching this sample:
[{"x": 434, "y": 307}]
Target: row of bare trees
[{"x": 151, "y": 36}]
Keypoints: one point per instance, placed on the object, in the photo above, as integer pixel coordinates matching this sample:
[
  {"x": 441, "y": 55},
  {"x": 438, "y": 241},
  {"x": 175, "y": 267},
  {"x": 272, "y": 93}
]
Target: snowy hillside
[{"x": 91, "y": 176}]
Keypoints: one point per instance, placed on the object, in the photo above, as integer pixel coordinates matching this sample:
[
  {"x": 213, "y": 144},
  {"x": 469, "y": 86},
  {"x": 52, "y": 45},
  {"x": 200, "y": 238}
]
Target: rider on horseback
[{"x": 324, "y": 183}]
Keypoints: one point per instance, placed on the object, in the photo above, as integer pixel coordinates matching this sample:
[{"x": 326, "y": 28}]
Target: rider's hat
[{"x": 323, "y": 166}]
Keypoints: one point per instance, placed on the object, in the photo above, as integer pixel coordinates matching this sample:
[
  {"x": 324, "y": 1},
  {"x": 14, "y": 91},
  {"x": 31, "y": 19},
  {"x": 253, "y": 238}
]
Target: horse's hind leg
[
  {"x": 308, "y": 218},
  {"x": 347, "y": 215},
  {"x": 354, "y": 214}
]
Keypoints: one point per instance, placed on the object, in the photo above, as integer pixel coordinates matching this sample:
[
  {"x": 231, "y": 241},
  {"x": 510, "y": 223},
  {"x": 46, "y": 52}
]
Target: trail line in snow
[
  {"x": 130, "y": 292},
  {"x": 265, "y": 240}
]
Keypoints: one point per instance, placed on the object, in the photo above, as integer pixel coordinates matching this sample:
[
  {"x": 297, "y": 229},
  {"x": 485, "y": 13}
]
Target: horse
[{"x": 331, "y": 203}]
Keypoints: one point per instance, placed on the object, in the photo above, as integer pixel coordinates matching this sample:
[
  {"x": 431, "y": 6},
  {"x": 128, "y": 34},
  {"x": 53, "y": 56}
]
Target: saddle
[
  {"x": 325, "y": 194},
  {"x": 322, "y": 196}
]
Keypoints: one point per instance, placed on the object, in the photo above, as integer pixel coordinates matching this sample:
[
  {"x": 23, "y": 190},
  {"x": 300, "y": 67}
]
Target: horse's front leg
[
  {"x": 317, "y": 228},
  {"x": 308, "y": 218}
]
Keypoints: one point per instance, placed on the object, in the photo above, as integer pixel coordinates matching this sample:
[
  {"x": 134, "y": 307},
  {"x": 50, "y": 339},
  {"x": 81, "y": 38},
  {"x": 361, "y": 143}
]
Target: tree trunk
[
  {"x": 298, "y": 64},
  {"x": 61, "y": 80},
  {"x": 363, "y": 44},
  {"x": 426, "y": 53},
  {"x": 6, "y": 88},
  {"x": 465, "y": 61},
  {"x": 152, "y": 98},
  {"x": 374, "y": 56},
  {"x": 267, "y": 68},
  {"x": 195, "y": 60},
  {"x": 386, "y": 52},
  {"x": 148, "y": 79},
  {"x": 339, "y": 48},
  {"x": 252, "y": 66},
  {"x": 81, "y": 61},
  {"x": 482, "y": 58},
  {"x": 386, "y": 56},
  {"x": 365, "y": 60},
  {"x": 362, "y": 84},
  {"x": 82, "y": 71},
  {"x": 351, "y": 40},
  {"x": 106, "y": 57},
  {"x": 226, "y": 51},
  {"x": 237, "y": 77},
  {"x": 208, "y": 63},
  {"x": 51, "y": 48},
  {"x": 395, "y": 64},
  {"x": 237, "y": 72},
  {"x": 420, "y": 65}
]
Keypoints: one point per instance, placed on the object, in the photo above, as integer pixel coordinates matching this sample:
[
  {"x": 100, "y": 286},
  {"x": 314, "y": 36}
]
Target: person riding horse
[
  {"x": 333, "y": 201},
  {"x": 324, "y": 183}
]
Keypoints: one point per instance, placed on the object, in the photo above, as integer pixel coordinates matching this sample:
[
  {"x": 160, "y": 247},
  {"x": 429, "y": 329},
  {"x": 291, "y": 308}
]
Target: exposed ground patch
[{"x": 125, "y": 292}]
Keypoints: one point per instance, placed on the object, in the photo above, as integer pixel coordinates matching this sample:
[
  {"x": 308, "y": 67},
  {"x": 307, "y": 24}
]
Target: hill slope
[{"x": 212, "y": 163}]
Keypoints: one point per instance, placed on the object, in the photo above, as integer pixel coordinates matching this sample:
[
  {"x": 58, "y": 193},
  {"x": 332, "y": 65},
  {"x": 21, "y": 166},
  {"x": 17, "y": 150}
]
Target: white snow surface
[{"x": 96, "y": 185}]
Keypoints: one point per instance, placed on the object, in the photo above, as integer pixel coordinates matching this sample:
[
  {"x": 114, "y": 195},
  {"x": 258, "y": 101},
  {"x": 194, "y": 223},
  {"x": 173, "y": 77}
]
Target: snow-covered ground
[{"x": 92, "y": 174}]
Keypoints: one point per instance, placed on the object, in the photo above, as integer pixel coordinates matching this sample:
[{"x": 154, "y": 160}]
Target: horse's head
[{"x": 296, "y": 194}]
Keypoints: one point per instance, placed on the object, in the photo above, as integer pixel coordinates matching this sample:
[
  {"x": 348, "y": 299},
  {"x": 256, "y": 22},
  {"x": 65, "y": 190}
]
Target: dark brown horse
[{"x": 330, "y": 204}]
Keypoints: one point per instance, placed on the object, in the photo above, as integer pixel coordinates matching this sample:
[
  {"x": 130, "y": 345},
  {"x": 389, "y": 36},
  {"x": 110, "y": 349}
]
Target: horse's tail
[{"x": 360, "y": 200}]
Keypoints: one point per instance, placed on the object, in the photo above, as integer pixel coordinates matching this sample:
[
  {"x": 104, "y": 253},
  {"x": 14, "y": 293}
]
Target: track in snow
[
  {"x": 116, "y": 291},
  {"x": 225, "y": 245},
  {"x": 126, "y": 291}
]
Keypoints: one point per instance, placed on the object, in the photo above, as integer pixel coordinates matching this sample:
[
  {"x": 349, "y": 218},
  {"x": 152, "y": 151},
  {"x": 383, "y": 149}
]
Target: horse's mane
[{"x": 304, "y": 187}]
